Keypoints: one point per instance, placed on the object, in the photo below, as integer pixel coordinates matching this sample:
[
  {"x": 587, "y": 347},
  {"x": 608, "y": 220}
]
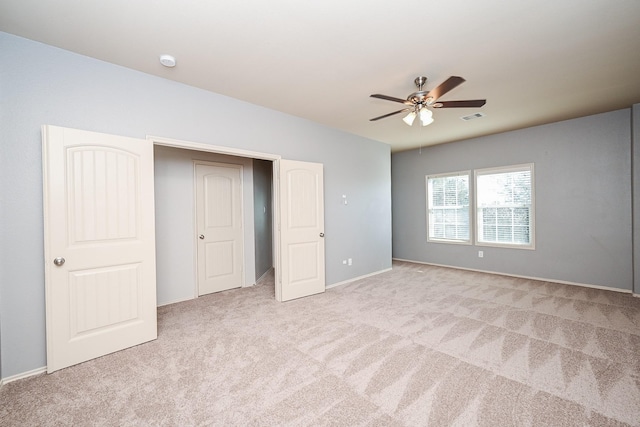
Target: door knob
[
  {"x": 321, "y": 234},
  {"x": 59, "y": 261},
  {"x": 201, "y": 237}
]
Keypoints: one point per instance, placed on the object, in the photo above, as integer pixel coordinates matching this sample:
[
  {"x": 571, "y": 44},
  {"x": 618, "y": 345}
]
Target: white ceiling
[{"x": 535, "y": 61}]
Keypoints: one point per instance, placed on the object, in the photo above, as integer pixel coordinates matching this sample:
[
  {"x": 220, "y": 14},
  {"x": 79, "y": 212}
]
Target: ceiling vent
[{"x": 472, "y": 116}]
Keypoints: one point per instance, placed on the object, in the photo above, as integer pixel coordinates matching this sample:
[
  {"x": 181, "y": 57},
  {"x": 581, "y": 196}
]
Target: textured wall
[
  {"x": 582, "y": 193},
  {"x": 45, "y": 85}
]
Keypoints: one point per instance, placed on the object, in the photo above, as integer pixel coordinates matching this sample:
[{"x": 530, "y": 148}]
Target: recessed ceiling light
[{"x": 168, "y": 61}]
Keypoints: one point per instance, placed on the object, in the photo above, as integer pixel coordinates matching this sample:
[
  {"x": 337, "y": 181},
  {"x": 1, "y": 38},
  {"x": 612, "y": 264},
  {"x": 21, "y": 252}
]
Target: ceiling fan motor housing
[{"x": 420, "y": 97}]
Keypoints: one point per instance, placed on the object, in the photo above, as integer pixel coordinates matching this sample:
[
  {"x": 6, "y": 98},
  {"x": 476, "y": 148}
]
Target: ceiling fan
[{"x": 419, "y": 102}]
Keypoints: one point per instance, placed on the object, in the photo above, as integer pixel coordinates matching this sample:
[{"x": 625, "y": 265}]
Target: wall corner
[{"x": 635, "y": 194}]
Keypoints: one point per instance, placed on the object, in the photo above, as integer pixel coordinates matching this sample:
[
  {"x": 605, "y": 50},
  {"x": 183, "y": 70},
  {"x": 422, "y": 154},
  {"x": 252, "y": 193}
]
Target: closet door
[
  {"x": 301, "y": 230},
  {"x": 99, "y": 215}
]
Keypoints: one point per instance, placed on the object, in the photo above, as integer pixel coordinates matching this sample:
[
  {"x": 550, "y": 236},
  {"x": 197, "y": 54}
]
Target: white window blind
[
  {"x": 505, "y": 206},
  {"x": 448, "y": 217}
]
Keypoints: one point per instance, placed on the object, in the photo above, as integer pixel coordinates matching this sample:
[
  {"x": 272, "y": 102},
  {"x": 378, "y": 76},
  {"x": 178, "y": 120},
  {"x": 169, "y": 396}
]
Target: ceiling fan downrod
[{"x": 420, "y": 97}]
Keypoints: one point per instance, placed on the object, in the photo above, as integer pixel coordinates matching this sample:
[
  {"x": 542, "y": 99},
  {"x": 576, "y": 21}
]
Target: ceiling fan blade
[
  {"x": 391, "y": 98},
  {"x": 391, "y": 114},
  {"x": 444, "y": 87},
  {"x": 460, "y": 104}
]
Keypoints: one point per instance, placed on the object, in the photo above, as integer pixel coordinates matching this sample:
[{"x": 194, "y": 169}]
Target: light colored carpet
[{"x": 415, "y": 346}]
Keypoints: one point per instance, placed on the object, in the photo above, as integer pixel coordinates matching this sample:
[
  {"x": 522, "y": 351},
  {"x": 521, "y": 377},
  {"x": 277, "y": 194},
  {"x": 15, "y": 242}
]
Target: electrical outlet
[
  {"x": 480, "y": 254},
  {"x": 350, "y": 261}
]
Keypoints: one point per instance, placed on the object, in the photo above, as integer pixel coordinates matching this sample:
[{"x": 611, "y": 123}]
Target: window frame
[
  {"x": 469, "y": 240},
  {"x": 532, "y": 222}
]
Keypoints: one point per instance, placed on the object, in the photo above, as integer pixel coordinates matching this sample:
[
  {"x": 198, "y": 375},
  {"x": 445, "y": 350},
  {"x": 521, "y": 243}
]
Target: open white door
[
  {"x": 301, "y": 230},
  {"x": 100, "y": 278}
]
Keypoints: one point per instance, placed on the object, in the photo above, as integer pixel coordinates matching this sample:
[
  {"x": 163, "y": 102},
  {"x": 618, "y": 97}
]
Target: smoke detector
[{"x": 168, "y": 61}]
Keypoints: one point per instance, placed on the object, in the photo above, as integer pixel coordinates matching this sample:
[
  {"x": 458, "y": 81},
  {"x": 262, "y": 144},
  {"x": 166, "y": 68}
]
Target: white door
[
  {"x": 100, "y": 278},
  {"x": 219, "y": 226},
  {"x": 301, "y": 230}
]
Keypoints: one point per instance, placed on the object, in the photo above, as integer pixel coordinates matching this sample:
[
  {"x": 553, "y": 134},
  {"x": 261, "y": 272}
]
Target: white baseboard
[
  {"x": 23, "y": 375},
  {"x": 542, "y": 279},
  {"x": 176, "y": 301},
  {"x": 357, "y": 278}
]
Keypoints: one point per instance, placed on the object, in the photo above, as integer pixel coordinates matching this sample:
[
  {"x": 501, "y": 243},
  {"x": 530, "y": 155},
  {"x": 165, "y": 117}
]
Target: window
[
  {"x": 448, "y": 216},
  {"x": 504, "y": 206}
]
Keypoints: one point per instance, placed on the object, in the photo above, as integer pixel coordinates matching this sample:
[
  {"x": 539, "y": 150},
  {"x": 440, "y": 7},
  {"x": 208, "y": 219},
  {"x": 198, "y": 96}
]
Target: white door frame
[{"x": 238, "y": 152}]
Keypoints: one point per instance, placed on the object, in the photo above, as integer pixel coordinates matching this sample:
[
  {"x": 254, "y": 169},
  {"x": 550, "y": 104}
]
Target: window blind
[
  {"x": 448, "y": 207},
  {"x": 504, "y": 205}
]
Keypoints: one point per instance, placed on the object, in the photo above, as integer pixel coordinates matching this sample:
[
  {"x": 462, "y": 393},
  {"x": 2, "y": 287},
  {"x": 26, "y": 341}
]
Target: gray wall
[
  {"x": 175, "y": 221},
  {"x": 1, "y": 344},
  {"x": 41, "y": 84},
  {"x": 262, "y": 213},
  {"x": 635, "y": 141},
  {"x": 582, "y": 194}
]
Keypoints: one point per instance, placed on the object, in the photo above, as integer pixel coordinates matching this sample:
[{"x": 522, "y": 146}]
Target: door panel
[
  {"x": 220, "y": 259},
  {"x": 219, "y": 223},
  {"x": 302, "y": 230},
  {"x": 89, "y": 288},
  {"x": 103, "y": 194},
  {"x": 99, "y": 217}
]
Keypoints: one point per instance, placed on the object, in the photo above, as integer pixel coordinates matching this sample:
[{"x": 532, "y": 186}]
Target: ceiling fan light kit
[
  {"x": 426, "y": 116},
  {"x": 409, "y": 118},
  {"x": 420, "y": 101}
]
